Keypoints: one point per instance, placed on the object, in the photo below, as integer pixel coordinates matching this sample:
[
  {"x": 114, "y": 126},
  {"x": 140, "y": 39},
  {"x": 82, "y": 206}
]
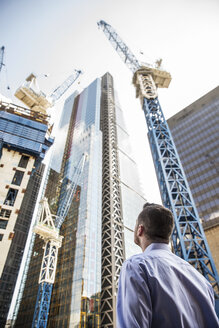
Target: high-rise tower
[
  {"x": 98, "y": 231},
  {"x": 24, "y": 141},
  {"x": 195, "y": 132}
]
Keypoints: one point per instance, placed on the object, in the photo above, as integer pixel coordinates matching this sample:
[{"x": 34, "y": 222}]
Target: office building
[
  {"x": 196, "y": 136},
  {"x": 23, "y": 144},
  {"x": 98, "y": 230}
]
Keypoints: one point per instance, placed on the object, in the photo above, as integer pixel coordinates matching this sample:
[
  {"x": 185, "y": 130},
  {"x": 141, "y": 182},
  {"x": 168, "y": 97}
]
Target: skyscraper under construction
[
  {"x": 98, "y": 230},
  {"x": 24, "y": 141}
]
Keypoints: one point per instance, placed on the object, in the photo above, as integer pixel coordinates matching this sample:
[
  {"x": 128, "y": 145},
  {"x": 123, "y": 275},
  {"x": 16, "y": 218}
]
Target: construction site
[{"x": 67, "y": 224}]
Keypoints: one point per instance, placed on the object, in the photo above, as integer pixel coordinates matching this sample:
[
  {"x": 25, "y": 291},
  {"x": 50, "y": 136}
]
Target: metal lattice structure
[
  {"x": 71, "y": 189},
  {"x": 112, "y": 222},
  {"x": 48, "y": 228},
  {"x": 124, "y": 52},
  {"x": 60, "y": 90},
  {"x": 2, "y": 50},
  {"x": 188, "y": 238}
]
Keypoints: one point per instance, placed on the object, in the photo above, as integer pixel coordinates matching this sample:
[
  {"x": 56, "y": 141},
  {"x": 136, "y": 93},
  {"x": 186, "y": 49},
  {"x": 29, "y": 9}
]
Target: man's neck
[{"x": 146, "y": 242}]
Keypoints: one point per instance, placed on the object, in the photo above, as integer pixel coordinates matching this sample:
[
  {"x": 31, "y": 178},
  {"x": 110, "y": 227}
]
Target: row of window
[
  {"x": 210, "y": 195},
  {"x": 192, "y": 139},
  {"x": 200, "y": 159},
  {"x": 208, "y": 205},
  {"x": 198, "y": 117},
  {"x": 193, "y": 154},
  {"x": 195, "y": 143},
  {"x": 210, "y": 184},
  {"x": 21, "y": 130},
  {"x": 200, "y": 167},
  {"x": 199, "y": 125},
  {"x": 12, "y": 194},
  {"x": 202, "y": 176}
]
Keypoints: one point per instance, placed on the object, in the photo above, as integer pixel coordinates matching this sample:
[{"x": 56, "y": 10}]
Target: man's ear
[{"x": 140, "y": 230}]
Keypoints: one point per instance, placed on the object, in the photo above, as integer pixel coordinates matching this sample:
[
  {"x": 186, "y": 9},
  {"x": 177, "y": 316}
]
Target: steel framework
[
  {"x": 48, "y": 230},
  {"x": 60, "y": 90},
  {"x": 112, "y": 221},
  {"x": 2, "y": 50},
  {"x": 188, "y": 238}
]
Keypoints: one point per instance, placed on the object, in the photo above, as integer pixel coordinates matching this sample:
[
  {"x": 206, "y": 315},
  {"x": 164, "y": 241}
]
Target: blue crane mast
[
  {"x": 188, "y": 238},
  {"x": 2, "y": 50},
  {"x": 48, "y": 228}
]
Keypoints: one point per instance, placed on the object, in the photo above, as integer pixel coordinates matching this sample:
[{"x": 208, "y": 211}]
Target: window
[
  {"x": 3, "y": 224},
  {"x": 5, "y": 213},
  {"x": 23, "y": 161},
  {"x": 17, "y": 178},
  {"x": 11, "y": 196},
  {"x": 1, "y": 236}
]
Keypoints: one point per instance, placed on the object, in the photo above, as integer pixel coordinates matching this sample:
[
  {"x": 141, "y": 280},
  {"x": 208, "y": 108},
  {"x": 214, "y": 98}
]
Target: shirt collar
[{"x": 157, "y": 246}]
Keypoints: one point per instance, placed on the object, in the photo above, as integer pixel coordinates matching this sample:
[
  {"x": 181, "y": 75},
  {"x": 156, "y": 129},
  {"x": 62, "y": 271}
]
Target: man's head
[{"x": 154, "y": 224}]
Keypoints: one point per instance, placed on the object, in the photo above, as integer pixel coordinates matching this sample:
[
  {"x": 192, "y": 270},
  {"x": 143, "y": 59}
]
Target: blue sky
[{"x": 51, "y": 36}]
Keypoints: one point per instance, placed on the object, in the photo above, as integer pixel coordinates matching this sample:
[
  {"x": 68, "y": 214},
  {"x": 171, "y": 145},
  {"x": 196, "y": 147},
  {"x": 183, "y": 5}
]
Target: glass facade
[
  {"x": 131, "y": 193},
  {"x": 24, "y": 134},
  {"x": 195, "y": 132},
  {"x": 76, "y": 293}
]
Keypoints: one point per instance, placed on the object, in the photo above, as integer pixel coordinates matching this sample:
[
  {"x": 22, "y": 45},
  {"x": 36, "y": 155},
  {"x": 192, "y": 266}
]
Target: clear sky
[{"x": 56, "y": 36}]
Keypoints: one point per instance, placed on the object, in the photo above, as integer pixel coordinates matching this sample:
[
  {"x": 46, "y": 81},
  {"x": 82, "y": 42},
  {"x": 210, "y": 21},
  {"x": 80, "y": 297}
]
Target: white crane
[
  {"x": 48, "y": 228},
  {"x": 30, "y": 94}
]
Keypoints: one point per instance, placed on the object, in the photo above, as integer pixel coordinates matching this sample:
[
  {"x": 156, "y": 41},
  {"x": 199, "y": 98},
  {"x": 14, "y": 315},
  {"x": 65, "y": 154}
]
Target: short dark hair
[{"x": 157, "y": 221}]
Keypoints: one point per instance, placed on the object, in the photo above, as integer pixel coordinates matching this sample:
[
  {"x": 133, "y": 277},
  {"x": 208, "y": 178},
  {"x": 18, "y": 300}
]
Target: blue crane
[
  {"x": 2, "y": 50},
  {"x": 188, "y": 238},
  {"x": 48, "y": 228}
]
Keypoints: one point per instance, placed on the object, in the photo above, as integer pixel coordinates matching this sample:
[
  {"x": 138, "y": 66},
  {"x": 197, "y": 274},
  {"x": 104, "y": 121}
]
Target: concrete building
[
  {"x": 196, "y": 135},
  {"x": 23, "y": 144},
  {"x": 98, "y": 230}
]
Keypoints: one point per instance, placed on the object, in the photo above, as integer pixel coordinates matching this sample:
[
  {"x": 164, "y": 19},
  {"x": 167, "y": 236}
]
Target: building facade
[
  {"x": 98, "y": 230},
  {"x": 23, "y": 144},
  {"x": 196, "y": 136}
]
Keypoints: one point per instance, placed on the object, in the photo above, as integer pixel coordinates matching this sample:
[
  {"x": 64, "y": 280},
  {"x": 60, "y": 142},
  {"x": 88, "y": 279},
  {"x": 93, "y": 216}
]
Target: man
[{"x": 157, "y": 289}]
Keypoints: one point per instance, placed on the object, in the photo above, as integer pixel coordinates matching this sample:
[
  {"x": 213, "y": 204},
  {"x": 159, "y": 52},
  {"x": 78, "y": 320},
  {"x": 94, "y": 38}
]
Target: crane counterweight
[{"x": 30, "y": 94}]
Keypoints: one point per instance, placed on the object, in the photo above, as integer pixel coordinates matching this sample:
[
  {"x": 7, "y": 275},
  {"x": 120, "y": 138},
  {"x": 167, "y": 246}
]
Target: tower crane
[
  {"x": 30, "y": 94},
  {"x": 48, "y": 228},
  {"x": 2, "y": 57},
  {"x": 188, "y": 238}
]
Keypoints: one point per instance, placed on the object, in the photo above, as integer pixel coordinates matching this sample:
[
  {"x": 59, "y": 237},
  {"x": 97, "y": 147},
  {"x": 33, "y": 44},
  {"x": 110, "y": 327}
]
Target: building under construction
[
  {"x": 24, "y": 141},
  {"x": 101, "y": 216},
  {"x": 98, "y": 229}
]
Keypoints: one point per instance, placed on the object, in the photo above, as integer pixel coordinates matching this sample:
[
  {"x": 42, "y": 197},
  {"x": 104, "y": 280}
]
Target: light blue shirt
[{"x": 158, "y": 289}]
